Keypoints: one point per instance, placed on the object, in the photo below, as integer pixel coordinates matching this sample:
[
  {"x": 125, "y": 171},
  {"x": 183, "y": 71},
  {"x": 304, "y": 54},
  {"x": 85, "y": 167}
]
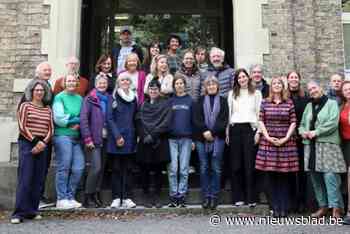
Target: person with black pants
[
  {"x": 121, "y": 141},
  {"x": 153, "y": 122},
  {"x": 300, "y": 192},
  {"x": 244, "y": 106}
]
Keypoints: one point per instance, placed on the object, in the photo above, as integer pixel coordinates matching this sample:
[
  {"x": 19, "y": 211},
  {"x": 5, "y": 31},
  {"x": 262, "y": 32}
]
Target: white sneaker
[
  {"x": 15, "y": 220},
  {"x": 75, "y": 204},
  {"x": 38, "y": 217},
  {"x": 128, "y": 203},
  {"x": 115, "y": 203},
  {"x": 239, "y": 203},
  {"x": 64, "y": 204},
  {"x": 191, "y": 170}
]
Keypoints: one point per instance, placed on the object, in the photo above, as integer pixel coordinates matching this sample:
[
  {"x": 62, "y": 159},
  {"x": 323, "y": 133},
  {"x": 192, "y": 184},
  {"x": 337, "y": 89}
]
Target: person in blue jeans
[
  {"x": 70, "y": 161},
  {"x": 180, "y": 143},
  {"x": 210, "y": 118}
]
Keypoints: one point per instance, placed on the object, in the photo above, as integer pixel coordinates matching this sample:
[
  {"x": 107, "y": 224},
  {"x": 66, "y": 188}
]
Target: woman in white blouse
[
  {"x": 160, "y": 71},
  {"x": 244, "y": 106}
]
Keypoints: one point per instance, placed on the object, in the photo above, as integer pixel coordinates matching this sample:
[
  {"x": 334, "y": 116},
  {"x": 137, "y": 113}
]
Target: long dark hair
[
  {"x": 237, "y": 86},
  {"x": 301, "y": 92},
  {"x": 148, "y": 58}
]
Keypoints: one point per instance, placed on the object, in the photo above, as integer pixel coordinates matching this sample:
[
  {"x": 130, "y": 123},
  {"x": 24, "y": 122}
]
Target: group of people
[{"x": 156, "y": 110}]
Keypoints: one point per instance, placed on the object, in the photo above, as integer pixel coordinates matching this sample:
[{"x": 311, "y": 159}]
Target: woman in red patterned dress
[{"x": 277, "y": 154}]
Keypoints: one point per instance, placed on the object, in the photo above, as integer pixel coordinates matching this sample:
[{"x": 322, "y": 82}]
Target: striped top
[{"x": 35, "y": 122}]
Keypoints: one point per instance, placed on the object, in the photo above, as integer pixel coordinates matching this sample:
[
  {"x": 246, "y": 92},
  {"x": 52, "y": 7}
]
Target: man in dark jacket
[
  {"x": 257, "y": 75},
  {"x": 334, "y": 89},
  {"x": 124, "y": 48}
]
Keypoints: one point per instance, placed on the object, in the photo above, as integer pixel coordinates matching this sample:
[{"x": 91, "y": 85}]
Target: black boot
[
  {"x": 147, "y": 199},
  {"x": 97, "y": 199},
  {"x": 89, "y": 201},
  {"x": 213, "y": 203},
  {"x": 182, "y": 202},
  {"x": 206, "y": 203},
  {"x": 156, "y": 201}
]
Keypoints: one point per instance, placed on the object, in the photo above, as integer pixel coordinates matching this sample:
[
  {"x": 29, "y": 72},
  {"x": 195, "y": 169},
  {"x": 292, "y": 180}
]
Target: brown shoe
[
  {"x": 337, "y": 213},
  {"x": 320, "y": 212}
]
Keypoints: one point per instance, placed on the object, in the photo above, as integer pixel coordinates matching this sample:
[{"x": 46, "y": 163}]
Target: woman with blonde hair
[
  {"x": 135, "y": 74},
  {"x": 160, "y": 71},
  {"x": 277, "y": 154},
  {"x": 70, "y": 159}
]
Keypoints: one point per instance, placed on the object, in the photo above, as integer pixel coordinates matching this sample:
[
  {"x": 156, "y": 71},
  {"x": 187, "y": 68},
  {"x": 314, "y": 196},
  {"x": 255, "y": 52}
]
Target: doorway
[{"x": 198, "y": 22}]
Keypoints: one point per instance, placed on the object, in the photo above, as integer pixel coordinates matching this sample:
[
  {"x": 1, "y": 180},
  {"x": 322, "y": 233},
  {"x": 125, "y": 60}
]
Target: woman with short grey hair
[{"x": 323, "y": 157}]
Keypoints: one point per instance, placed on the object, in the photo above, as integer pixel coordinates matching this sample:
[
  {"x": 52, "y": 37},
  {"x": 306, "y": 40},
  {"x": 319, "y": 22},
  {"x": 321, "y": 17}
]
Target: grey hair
[
  {"x": 216, "y": 49},
  {"x": 38, "y": 68},
  {"x": 337, "y": 74},
  {"x": 28, "y": 92},
  {"x": 76, "y": 60},
  {"x": 210, "y": 79},
  {"x": 100, "y": 77},
  {"x": 253, "y": 66},
  {"x": 316, "y": 82}
]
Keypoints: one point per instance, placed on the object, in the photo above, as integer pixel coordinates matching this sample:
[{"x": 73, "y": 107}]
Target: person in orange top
[
  {"x": 72, "y": 67},
  {"x": 35, "y": 121},
  {"x": 345, "y": 135}
]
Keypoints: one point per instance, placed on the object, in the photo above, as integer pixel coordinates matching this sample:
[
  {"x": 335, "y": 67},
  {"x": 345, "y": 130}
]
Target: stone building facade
[{"x": 306, "y": 35}]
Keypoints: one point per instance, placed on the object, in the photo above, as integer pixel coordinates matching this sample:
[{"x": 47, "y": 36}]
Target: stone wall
[
  {"x": 305, "y": 35},
  {"x": 21, "y": 22}
]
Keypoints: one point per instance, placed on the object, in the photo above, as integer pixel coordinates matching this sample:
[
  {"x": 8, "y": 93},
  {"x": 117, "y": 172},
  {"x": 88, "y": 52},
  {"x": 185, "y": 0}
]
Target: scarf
[
  {"x": 155, "y": 118},
  {"x": 126, "y": 97},
  {"x": 210, "y": 114},
  {"x": 189, "y": 71},
  {"x": 103, "y": 98},
  {"x": 317, "y": 105}
]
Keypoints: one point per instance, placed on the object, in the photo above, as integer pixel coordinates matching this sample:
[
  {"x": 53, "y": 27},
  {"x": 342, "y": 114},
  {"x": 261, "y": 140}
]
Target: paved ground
[{"x": 155, "y": 224}]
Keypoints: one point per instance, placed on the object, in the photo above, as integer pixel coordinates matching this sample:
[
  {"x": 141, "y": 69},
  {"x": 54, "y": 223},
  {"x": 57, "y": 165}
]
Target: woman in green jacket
[{"x": 323, "y": 157}]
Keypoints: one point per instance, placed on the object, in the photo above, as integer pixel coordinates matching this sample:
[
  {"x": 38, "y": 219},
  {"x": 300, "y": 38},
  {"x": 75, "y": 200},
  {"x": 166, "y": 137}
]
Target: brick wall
[
  {"x": 305, "y": 35},
  {"x": 21, "y": 22}
]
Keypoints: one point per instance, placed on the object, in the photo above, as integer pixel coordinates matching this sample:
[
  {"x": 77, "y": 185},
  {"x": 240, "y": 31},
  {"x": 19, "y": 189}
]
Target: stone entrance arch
[{"x": 63, "y": 38}]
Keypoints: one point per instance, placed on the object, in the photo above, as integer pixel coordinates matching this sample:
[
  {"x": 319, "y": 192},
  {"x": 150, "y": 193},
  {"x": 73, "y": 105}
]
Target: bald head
[{"x": 72, "y": 65}]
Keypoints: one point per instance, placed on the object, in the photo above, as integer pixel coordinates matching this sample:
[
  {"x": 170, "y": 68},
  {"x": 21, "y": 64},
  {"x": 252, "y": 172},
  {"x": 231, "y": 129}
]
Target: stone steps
[{"x": 259, "y": 210}]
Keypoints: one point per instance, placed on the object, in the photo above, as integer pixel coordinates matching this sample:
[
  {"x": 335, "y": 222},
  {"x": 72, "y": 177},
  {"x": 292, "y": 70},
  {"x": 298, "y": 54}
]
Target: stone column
[
  {"x": 62, "y": 39},
  {"x": 250, "y": 38}
]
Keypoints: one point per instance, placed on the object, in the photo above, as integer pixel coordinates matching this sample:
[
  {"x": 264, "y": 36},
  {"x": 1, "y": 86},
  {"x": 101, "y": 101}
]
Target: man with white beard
[{"x": 222, "y": 71}]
